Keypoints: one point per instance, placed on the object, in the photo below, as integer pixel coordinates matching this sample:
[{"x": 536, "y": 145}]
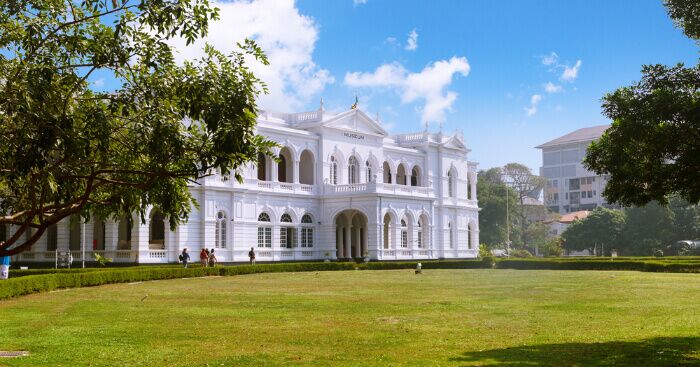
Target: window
[
  {"x": 51, "y": 238},
  {"x": 307, "y": 232},
  {"x": 353, "y": 170},
  {"x": 450, "y": 184},
  {"x": 574, "y": 184},
  {"x": 287, "y": 234},
  {"x": 334, "y": 171},
  {"x": 404, "y": 234},
  {"x": 220, "y": 230},
  {"x": 264, "y": 231},
  {"x": 420, "y": 234},
  {"x": 369, "y": 172},
  {"x": 451, "y": 234}
]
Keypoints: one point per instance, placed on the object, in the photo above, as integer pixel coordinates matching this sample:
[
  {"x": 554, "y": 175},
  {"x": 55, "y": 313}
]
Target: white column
[
  {"x": 295, "y": 168},
  {"x": 473, "y": 187},
  {"x": 348, "y": 242}
]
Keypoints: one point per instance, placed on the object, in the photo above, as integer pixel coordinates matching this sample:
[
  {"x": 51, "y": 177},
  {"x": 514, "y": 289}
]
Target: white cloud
[
  {"x": 428, "y": 85},
  {"x": 534, "y": 101},
  {"x": 550, "y": 59},
  {"x": 99, "y": 83},
  {"x": 412, "y": 42},
  {"x": 292, "y": 77},
  {"x": 358, "y": 2},
  {"x": 571, "y": 73},
  {"x": 553, "y": 88}
]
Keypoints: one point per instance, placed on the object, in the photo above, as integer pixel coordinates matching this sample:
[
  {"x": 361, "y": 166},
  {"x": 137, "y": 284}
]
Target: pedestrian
[
  {"x": 251, "y": 255},
  {"x": 184, "y": 257},
  {"x": 204, "y": 257},
  {"x": 4, "y": 264},
  {"x": 212, "y": 258}
]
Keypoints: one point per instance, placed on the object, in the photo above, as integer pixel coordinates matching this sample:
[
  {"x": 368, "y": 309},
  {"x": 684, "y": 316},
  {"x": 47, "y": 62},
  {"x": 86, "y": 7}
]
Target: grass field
[{"x": 355, "y": 318}]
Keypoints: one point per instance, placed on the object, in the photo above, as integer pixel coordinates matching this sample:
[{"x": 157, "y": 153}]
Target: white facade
[
  {"x": 344, "y": 188},
  {"x": 570, "y": 186}
]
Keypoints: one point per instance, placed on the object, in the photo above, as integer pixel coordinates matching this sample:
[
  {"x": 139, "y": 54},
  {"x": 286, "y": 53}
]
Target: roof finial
[
  {"x": 377, "y": 118},
  {"x": 354, "y": 105},
  {"x": 320, "y": 107}
]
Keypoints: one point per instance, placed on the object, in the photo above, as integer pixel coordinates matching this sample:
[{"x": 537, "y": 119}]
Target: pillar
[
  {"x": 295, "y": 169},
  {"x": 347, "y": 242}
]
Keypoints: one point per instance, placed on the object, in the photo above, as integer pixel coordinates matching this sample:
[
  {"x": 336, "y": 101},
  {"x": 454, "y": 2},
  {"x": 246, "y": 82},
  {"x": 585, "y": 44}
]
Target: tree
[
  {"x": 686, "y": 220},
  {"x": 526, "y": 185},
  {"x": 492, "y": 202},
  {"x": 651, "y": 151},
  {"x": 647, "y": 228},
  {"x": 69, "y": 149},
  {"x": 602, "y": 227}
]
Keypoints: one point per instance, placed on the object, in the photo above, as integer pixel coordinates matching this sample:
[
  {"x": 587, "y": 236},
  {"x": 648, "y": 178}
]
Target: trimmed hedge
[
  {"x": 39, "y": 281},
  {"x": 634, "y": 265}
]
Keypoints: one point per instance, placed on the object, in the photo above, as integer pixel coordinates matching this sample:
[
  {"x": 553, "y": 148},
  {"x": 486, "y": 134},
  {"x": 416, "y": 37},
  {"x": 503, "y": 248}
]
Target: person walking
[
  {"x": 251, "y": 255},
  {"x": 212, "y": 258},
  {"x": 204, "y": 257},
  {"x": 4, "y": 265},
  {"x": 184, "y": 257}
]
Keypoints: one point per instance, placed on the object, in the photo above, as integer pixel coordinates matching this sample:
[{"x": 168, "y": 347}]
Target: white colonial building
[{"x": 343, "y": 188}]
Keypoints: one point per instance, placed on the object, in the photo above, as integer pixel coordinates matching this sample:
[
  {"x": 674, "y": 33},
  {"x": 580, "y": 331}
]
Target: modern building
[
  {"x": 570, "y": 186},
  {"x": 342, "y": 188}
]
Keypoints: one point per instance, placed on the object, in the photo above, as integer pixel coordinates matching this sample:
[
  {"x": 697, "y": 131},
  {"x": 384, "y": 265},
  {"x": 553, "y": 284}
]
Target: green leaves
[{"x": 70, "y": 149}]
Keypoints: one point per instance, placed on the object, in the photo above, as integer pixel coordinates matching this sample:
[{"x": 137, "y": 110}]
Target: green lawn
[{"x": 354, "y": 318}]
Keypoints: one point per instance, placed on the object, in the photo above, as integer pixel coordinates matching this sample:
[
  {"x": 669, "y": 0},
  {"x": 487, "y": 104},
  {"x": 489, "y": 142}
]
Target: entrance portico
[{"x": 350, "y": 234}]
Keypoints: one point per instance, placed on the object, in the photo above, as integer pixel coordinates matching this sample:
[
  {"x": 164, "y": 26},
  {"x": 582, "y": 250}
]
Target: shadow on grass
[{"x": 650, "y": 352}]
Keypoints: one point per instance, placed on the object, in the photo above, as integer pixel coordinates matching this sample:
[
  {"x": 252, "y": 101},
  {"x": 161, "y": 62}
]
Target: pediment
[
  {"x": 454, "y": 143},
  {"x": 356, "y": 121}
]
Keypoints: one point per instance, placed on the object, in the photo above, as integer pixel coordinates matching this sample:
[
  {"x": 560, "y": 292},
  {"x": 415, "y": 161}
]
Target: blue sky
[{"x": 478, "y": 66}]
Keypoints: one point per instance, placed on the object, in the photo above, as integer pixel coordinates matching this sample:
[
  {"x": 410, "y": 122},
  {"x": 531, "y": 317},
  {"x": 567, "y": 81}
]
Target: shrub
[
  {"x": 488, "y": 262},
  {"x": 658, "y": 253},
  {"x": 520, "y": 253},
  {"x": 484, "y": 250}
]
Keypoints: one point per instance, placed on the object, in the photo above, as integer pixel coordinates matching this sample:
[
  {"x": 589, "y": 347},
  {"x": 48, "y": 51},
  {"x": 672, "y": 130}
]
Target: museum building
[{"x": 342, "y": 188}]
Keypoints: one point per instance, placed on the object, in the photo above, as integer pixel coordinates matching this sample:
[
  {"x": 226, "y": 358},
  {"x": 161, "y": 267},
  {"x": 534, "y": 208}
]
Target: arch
[
  {"x": 386, "y": 167},
  {"x": 401, "y": 174},
  {"x": 156, "y": 233},
  {"x": 264, "y": 231},
  {"x": 285, "y": 170},
  {"x": 51, "y": 238},
  {"x": 98, "y": 235},
  {"x": 416, "y": 177},
  {"x": 423, "y": 233},
  {"x": 220, "y": 230},
  {"x": 471, "y": 185},
  {"x": 126, "y": 223},
  {"x": 404, "y": 231},
  {"x": 307, "y": 166},
  {"x": 264, "y": 165},
  {"x": 307, "y": 219},
  {"x": 287, "y": 232},
  {"x": 75, "y": 233},
  {"x": 471, "y": 237},
  {"x": 387, "y": 238},
  {"x": 353, "y": 170},
  {"x": 450, "y": 239},
  {"x": 451, "y": 182},
  {"x": 351, "y": 233},
  {"x": 333, "y": 174}
]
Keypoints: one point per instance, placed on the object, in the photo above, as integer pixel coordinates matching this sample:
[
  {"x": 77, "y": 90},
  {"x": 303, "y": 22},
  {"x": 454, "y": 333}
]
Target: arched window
[
  {"x": 387, "y": 231},
  {"x": 307, "y": 231},
  {"x": 401, "y": 175},
  {"x": 124, "y": 236},
  {"x": 420, "y": 233},
  {"x": 157, "y": 232},
  {"x": 404, "y": 233},
  {"x": 450, "y": 184},
  {"x": 306, "y": 168},
  {"x": 369, "y": 172},
  {"x": 51, "y": 237},
  {"x": 287, "y": 233},
  {"x": 451, "y": 239},
  {"x": 334, "y": 171},
  {"x": 470, "y": 234},
  {"x": 387, "y": 172},
  {"x": 262, "y": 167},
  {"x": 284, "y": 166},
  {"x": 264, "y": 231},
  {"x": 220, "y": 230},
  {"x": 415, "y": 176},
  {"x": 353, "y": 170}
]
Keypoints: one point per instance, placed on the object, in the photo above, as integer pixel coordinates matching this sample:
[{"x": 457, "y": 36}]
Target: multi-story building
[
  {"x": 342, "y": 188},
  {"x": 570, "y": 186}
]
